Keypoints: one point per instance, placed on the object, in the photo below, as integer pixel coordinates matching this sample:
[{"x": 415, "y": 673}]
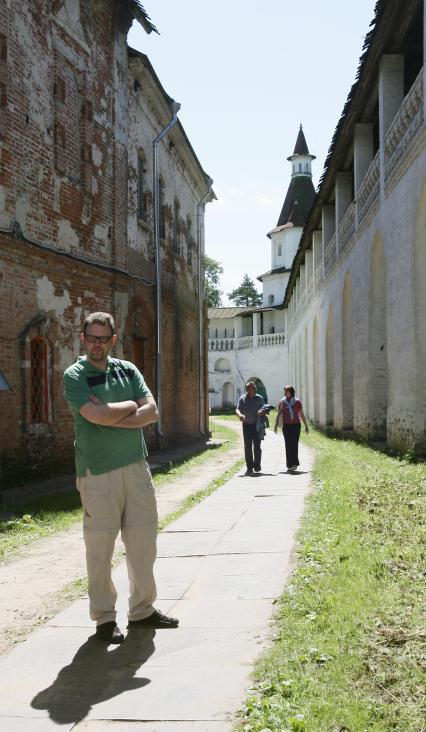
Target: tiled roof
[
  {"x": 298, "y": 201},
  {"x": 225, "y": 312},
  {"x": 301, "y": 147},
  {"x": 277, "y": 270},
  {"x": 139, "y": 13}
]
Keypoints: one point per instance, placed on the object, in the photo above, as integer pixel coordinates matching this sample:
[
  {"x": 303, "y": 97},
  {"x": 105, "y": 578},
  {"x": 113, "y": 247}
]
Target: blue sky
[{"x": 246, "y": 74}]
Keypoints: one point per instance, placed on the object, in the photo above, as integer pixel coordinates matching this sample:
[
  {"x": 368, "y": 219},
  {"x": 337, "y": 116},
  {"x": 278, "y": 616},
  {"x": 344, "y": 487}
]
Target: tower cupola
[{"x": 301, "y": 159}]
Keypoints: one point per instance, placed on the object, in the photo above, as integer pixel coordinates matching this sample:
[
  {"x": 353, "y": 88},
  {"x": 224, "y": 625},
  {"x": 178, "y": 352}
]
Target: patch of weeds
[{"x": 350, "y": 634}]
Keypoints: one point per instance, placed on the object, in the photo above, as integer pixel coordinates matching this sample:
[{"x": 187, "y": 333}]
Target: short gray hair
[{"x": 100, "y": 319}]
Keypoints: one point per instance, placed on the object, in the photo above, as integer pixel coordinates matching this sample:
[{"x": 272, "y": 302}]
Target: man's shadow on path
[{"x": 96, "y": 674}]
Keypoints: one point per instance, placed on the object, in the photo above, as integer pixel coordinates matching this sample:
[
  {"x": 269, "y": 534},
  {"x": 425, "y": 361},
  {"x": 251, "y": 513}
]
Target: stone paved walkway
[{"x": 219, "y": 568}]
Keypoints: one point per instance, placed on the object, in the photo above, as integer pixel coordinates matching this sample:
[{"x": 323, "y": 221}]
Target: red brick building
[{"x": 79, "y": 111}]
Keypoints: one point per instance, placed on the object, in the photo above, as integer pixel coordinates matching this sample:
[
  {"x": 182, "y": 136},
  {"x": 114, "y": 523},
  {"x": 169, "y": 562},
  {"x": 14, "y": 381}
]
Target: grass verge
[
  {"x": 349, "y": 652},
  {"x": 50, "y": 514}
]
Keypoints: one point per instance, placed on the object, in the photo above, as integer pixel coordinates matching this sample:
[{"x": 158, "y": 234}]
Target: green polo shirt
[{"x": 97, "y": 448}]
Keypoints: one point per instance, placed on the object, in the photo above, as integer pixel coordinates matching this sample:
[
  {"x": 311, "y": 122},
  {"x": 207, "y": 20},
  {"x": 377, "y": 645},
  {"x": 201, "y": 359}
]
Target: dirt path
[{"x": 33, "y": 585}]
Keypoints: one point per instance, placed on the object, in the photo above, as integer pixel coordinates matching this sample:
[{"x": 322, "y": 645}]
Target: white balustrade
[
  {"x": 404, "y": 127},
  {"x": 369, "y": 188},
  {"x": 347, "y": 227},
  {"x": 259, "y": 341},
  {"x": 330, "y": 253}
]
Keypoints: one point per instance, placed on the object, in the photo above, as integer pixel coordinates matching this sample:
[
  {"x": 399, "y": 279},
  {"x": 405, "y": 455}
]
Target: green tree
[
  {"x": 246, "y": 294},
  {"x": 212, "y": 272}
]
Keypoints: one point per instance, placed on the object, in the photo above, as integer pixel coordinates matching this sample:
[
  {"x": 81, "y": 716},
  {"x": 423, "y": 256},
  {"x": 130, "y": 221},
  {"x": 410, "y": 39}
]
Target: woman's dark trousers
[
  {"x": 252, "y": 451},
  {"x": 291, "y": 434}
]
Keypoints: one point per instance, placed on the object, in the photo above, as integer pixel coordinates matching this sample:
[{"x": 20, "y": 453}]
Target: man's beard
[{"x": 98, "y": 355}]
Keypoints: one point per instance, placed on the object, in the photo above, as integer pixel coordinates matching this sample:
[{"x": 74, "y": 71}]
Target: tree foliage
[
  {"x": 246, "y": 294},
  {"x": 212, "y": 292}
]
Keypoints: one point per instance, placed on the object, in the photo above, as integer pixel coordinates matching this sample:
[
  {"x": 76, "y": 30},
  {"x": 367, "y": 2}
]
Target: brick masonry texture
[{"x": 72, "y": 126}]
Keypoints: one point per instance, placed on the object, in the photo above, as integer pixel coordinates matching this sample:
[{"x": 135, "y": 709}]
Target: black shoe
[
  {"x": 249, "y": 471},
  {"x": 109, "y": 632},
  {"x": 257, "y": 470},
  {"x": 156, "y": 620}
]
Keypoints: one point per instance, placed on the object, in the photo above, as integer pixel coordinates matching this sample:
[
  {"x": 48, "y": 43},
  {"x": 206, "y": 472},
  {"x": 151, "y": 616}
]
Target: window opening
[{"x": 39, "y": 382}]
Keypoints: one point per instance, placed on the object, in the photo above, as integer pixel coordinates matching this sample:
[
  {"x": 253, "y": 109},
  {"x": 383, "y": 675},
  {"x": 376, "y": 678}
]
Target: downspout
[
  {"x": 200, "y": 209},
  {"x": 156, "y": 190}
]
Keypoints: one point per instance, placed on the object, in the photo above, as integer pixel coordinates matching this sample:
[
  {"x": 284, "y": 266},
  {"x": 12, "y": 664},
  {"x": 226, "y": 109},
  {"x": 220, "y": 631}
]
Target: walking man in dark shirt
[
  {"x": 249, "y": 408},
  {"x": 111, "y": 403}
]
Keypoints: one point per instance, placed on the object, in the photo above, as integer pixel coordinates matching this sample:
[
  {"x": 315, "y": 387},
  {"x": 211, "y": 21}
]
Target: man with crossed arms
[{"x": 110, "y": 403}]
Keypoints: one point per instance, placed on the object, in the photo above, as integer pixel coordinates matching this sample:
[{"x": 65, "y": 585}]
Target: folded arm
[
  {"x": 107, "y": 415},
  {"x": 146, "y": 413}
]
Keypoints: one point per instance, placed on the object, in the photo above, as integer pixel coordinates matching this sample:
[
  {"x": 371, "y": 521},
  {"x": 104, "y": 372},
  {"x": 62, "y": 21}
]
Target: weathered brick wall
[{"x": 66, "y": 148}]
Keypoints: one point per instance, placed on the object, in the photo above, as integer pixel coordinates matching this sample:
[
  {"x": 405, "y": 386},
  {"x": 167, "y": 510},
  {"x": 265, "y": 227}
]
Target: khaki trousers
[{"x": 121, "y": 499}]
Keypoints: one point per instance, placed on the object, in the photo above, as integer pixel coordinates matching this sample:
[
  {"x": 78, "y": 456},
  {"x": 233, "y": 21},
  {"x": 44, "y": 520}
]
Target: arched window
[
  {"x": 39, "y": 382},
  {"x": 176, "y": 226},
  {"x": 190, "y": 243},
  {"x": 142, "y": 212}
]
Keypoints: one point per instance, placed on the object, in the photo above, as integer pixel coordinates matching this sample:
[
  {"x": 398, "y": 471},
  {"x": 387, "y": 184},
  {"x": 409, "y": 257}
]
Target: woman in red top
[{"x": 291, "y": 412}]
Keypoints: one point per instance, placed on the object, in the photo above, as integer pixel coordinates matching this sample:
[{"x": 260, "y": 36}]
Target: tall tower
[{"x": 286, "y": 235}]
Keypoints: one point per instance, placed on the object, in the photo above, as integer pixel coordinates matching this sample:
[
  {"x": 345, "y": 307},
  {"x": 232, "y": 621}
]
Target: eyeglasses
[{"x": 93, "y": 338}]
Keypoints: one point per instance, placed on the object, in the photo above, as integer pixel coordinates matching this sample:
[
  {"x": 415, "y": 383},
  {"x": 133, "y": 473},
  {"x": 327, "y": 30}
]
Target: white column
[
  {"x": 391, "y": 94},
  {"x": 363, "y": 152},
  {"x": 238, "y": 328},
  {"x": 363, "y": 157},
  {"x": 343, "y": 197},
  {"x": 317, "y": 248},
  {"x": 328, "y": 224},
  {"x": 302, "y": 278},
  {"x": 308, "y": 267},
  {"x": 256, "y": 327}
]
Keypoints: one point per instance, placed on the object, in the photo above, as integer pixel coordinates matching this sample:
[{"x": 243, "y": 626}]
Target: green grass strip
[{"x": 349, "y": 654}]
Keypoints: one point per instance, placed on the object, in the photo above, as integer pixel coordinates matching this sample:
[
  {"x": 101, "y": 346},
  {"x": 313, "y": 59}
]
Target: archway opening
[
  {"x": 260, "y": 387},
  {"x": 315, "y": 364},
  {"x": 347, "y": 356},
  {"x": 378, "y": 382},
  {"x": 329, "y": 369},
  {"x": 228, "y": 395}
]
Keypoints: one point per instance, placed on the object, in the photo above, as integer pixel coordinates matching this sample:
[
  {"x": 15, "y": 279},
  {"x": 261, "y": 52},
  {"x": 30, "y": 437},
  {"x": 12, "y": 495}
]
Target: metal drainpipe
[
  {"x": 156, "y": 189},
  {"x": 200, "y": 207}
]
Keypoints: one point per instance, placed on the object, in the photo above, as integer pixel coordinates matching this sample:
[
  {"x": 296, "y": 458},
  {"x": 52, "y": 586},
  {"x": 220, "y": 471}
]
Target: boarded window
[
  {"x": 39, "y": 382},
  {"x": 59, "y": 90},
  {"x": 3, "y": 96},
  {"x": 3, "y": 48},
  {"x": 138, "y": 348},
  {"x": 141, "y": 186},
  {"x": 176, "y": 226}
]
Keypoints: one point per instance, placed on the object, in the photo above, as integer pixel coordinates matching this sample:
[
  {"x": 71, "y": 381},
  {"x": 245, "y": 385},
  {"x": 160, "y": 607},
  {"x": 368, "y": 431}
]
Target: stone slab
[
  {"x": 211, "y": 612},
  {"x": 191, "y": 693},
  {"x": 134, "y": 726}
]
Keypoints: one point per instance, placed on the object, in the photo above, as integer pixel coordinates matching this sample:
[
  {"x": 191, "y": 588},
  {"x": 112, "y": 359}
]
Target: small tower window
[
  {"x": 300, "y": 167},
  {"x": 271, "y": 299},
  {"x": 307, "y": 167},
  {"x": 279, "y": 250}
]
